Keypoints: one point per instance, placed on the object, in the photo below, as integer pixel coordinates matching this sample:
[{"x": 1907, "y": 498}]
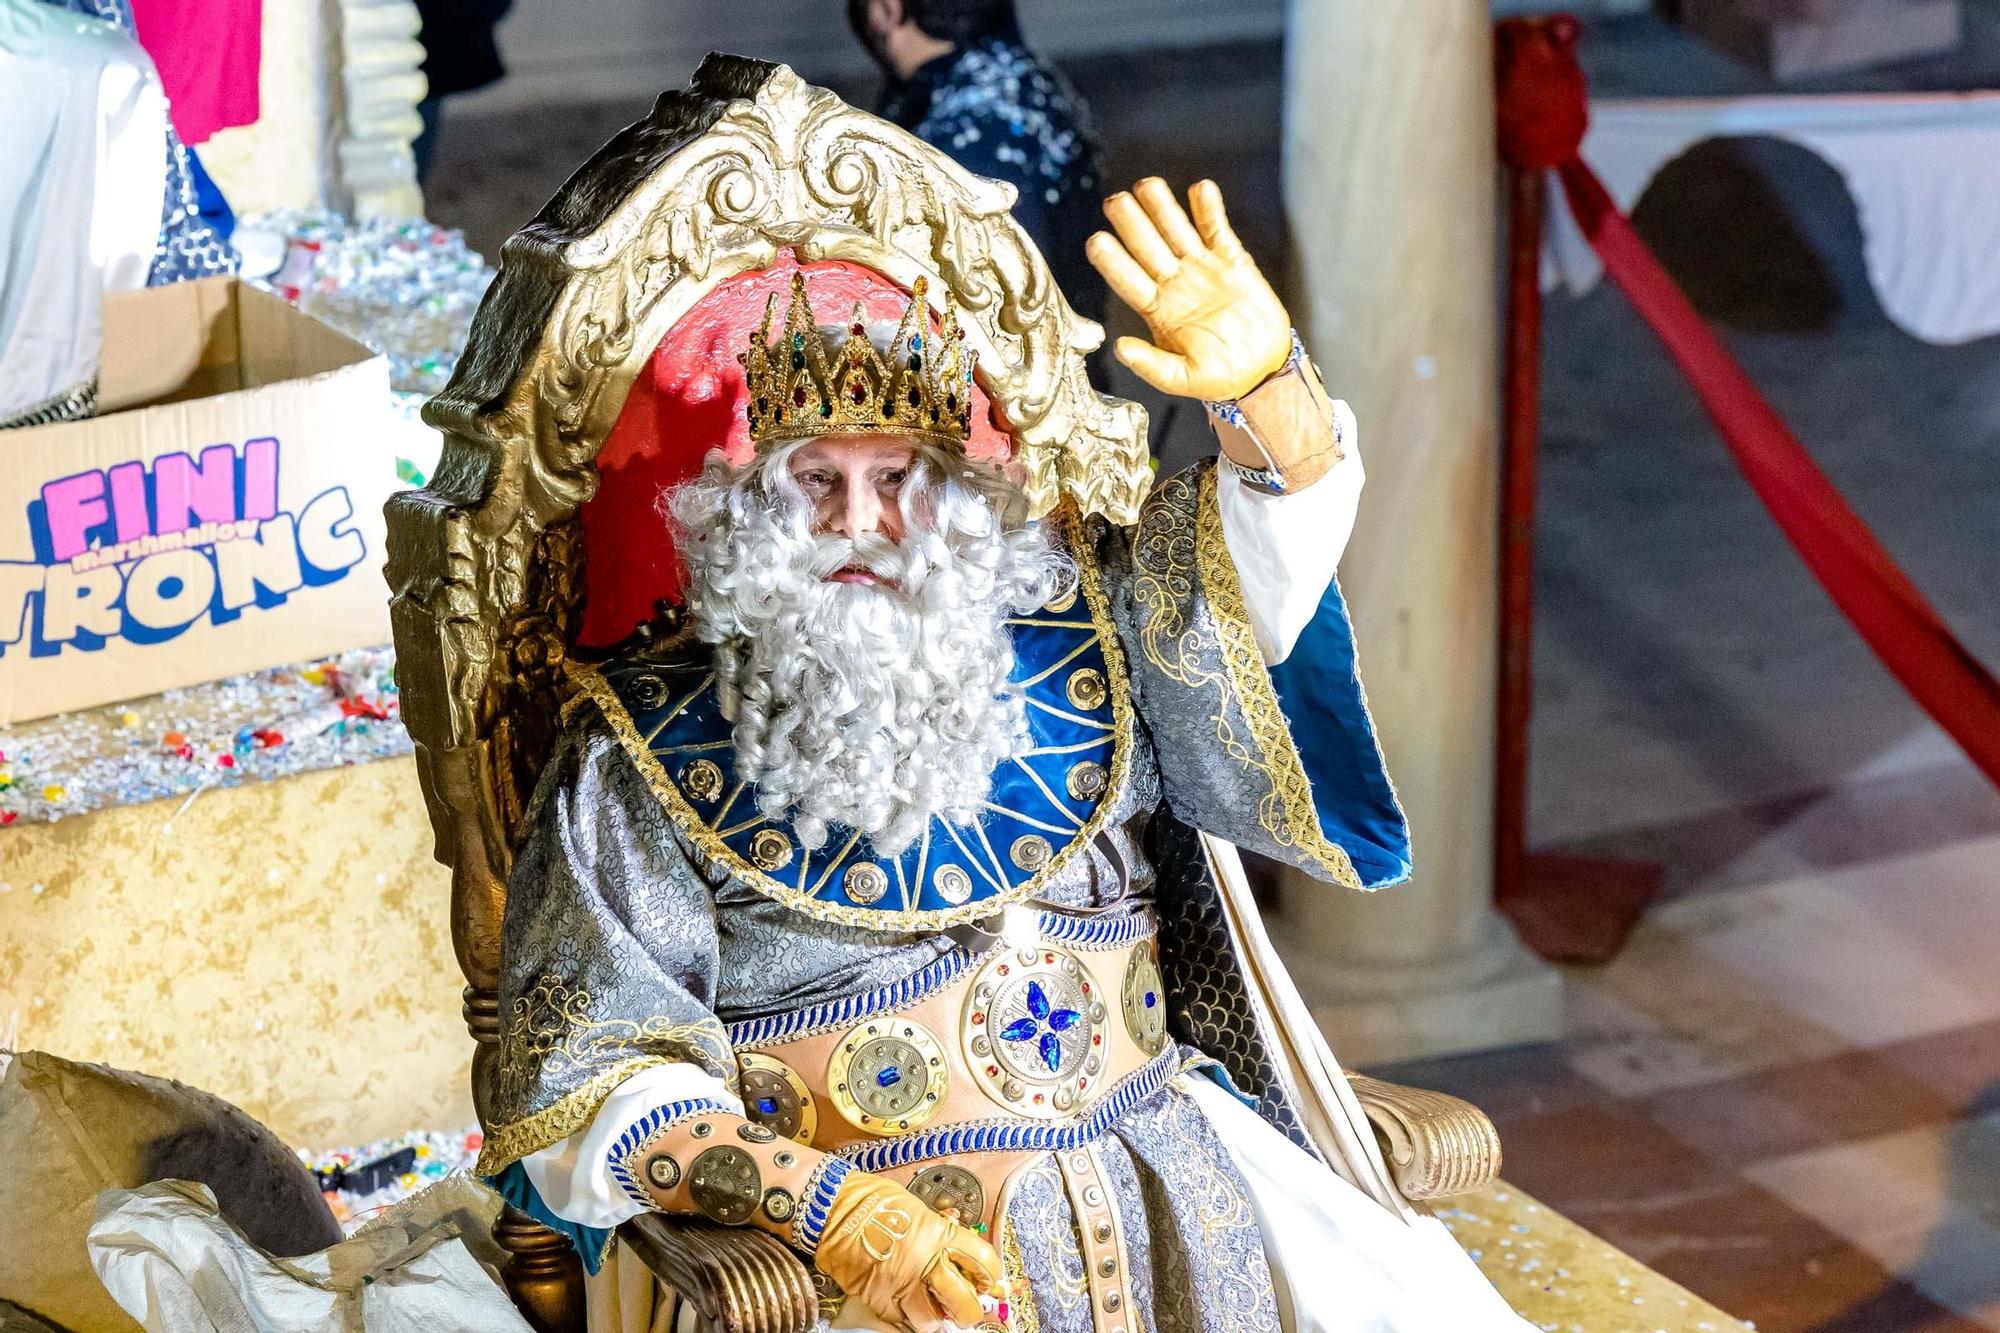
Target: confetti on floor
[
  {"x": 360, "y": 1182},
  {"x": 249, "y": 728}
]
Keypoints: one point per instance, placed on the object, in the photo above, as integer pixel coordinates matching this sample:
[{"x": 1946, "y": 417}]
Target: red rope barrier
[
  {"x": 1541, "y": 115},
  {"x": 1520, "y": 433}
]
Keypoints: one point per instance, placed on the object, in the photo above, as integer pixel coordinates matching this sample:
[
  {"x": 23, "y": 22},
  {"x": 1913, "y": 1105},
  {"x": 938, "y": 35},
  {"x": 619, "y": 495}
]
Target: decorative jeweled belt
[{"x": 978, "y": 1062}]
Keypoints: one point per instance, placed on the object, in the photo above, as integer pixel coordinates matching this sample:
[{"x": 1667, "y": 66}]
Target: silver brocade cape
[{"x": 642, "y": 919}]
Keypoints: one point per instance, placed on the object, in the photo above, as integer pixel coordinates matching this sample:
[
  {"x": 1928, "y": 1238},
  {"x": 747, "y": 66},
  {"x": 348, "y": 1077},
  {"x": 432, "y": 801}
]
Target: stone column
[{"x": 1390, "y": 195}]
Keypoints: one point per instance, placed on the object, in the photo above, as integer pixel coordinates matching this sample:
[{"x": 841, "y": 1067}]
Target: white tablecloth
[{"x": 1923, "y": 171}]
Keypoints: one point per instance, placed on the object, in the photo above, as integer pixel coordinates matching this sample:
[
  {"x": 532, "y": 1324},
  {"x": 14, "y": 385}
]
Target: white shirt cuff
[
  {"x": 573, "y": 1176},
  {"x": 1286, "y": 547}
]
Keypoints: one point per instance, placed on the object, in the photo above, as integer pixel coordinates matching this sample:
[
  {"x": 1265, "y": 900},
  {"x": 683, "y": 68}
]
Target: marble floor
[
  {"x": 1784, "y": 1095},
  {"x": 1786, "y": 1092}
]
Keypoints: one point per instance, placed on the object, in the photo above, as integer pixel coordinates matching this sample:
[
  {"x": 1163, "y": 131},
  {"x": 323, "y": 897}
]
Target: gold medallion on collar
[{"x": 770, "y": 850}]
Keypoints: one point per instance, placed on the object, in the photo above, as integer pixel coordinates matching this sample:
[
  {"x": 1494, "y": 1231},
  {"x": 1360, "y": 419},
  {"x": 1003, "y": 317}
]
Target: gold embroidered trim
[
  {"x": 1214, "y": 1198},
  {"x": 1070, "y": 529},
  {"x": 1172, "y": 560},
  {"x": 509, "y": 1143},
  {"x": 1291, "y": 818},
  {"x": 1023, "y": 1317},
  {"x": 1287, "y": 813},
  {"x": 551, "y": 1030}
]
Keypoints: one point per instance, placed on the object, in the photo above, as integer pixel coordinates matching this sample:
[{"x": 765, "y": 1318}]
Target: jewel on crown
[{"x": 800, "y": 386}]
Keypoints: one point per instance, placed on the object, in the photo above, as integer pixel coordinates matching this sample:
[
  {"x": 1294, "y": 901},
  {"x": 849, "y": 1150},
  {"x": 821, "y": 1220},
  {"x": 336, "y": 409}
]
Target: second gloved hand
[{"x": 889, "y": 1250}]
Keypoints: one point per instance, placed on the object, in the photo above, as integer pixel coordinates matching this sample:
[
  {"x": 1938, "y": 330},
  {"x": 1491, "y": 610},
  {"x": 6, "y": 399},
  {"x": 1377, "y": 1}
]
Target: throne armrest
[
  {"x": 738, "y": 1279},
  {"x": 1437, "y": 1146}
]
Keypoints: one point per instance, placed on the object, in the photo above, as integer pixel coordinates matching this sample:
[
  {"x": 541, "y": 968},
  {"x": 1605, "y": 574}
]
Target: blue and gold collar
[{"x": 1044, "y": 809}]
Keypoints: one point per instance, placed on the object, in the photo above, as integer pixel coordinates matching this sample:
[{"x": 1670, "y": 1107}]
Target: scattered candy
[
  {"x": 267, "y": 724},
  {"x": 406, "y": 288},
  {"x": 359, "y": 1182},
  {"x": 356, "y": 706}
]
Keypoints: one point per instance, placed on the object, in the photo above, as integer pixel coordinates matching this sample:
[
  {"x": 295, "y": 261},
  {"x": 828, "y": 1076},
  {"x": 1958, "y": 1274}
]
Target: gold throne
[{"x": 746, "y": 169}]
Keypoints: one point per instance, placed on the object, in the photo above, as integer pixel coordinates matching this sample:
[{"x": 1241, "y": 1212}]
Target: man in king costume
[{"x": 884, "y": 902}]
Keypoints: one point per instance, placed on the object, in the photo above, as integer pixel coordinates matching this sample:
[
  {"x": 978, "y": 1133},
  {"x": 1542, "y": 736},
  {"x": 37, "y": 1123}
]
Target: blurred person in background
[
  {"x": 459, "y": 56},
  {"x": 962, "y": 79}
]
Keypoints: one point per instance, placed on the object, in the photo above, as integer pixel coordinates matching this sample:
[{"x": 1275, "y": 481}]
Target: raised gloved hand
[
  {"x": 1218, "y": 329},
  {"x": 889, "y": 1250}
]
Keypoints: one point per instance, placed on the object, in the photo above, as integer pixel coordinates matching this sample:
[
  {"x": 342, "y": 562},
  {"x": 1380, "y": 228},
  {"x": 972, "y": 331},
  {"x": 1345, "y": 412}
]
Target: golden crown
[{"x": 921, "y": 388}]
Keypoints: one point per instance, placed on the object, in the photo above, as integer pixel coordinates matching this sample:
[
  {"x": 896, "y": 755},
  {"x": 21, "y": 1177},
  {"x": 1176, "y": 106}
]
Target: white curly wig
[{"x": 874, "y": 707}]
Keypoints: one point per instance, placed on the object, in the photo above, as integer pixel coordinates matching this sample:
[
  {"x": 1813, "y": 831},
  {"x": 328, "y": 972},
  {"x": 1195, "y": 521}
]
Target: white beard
[{"x": 875, "y": 707}]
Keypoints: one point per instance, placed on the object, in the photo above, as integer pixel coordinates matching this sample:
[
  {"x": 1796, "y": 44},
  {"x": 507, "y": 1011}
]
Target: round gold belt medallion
[
  {"x": 775, "y": 1096},
  {"x": 1145, "y": 1002},
  {"x": 887, "y": 1076},
  {"x": 1033, "y": 1031}
]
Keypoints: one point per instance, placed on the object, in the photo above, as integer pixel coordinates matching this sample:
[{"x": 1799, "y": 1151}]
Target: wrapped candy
[
  {"x": 359, "y": 1182},
  {"x": 246, "y": 728},
  {"x": 407, "y": 289}
]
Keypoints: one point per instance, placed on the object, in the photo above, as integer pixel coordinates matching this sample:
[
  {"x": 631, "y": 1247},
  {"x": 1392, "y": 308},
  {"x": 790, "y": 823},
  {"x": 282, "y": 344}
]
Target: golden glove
[
  {"x": 887, "y": 1249},
  {"x": 1218, "y": 329}
]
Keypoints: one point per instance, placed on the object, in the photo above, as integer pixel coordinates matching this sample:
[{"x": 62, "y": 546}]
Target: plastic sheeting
[{"x": 176, "y": 1265}]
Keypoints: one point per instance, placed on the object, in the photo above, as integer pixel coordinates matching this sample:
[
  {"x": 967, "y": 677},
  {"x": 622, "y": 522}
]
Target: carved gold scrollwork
[{"x": 1437, "y": 1146}]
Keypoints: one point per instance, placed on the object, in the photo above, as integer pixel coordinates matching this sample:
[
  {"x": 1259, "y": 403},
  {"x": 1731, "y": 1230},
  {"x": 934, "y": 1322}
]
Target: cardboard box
[
  {"x": 1791, "y": 39},
  {"x": 221, "y": 514}
]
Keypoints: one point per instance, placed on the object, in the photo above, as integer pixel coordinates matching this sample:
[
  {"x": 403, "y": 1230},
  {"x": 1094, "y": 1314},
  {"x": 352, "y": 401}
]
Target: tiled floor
[{"x": 1785, "y": 1095}]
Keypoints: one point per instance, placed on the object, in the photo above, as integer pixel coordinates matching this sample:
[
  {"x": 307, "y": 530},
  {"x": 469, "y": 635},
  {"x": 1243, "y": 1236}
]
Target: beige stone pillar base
[
  {"x": 339, "y": 84},
  {"x": 1377, "y": 1011}
]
